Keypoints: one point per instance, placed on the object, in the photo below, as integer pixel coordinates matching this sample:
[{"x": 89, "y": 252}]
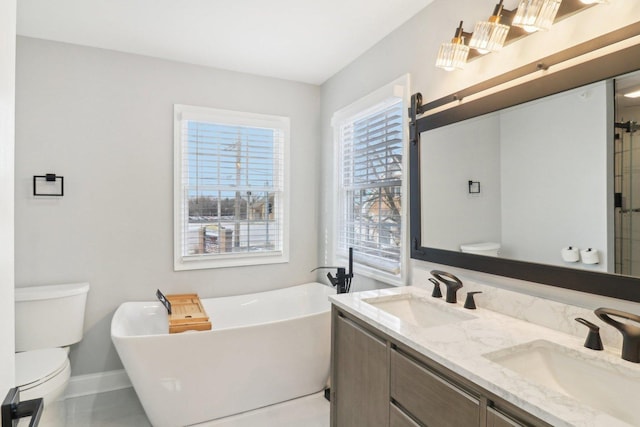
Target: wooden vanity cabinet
[
  {"x": 360, "y": 380},
  {"x": 376, "y": 381}
]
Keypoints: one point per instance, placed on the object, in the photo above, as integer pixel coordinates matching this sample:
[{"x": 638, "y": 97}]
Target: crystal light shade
[
  {"x": 488, "y": 36},
  {"x": 535, "y": 15},
  {"x": 453, "y": 55}
]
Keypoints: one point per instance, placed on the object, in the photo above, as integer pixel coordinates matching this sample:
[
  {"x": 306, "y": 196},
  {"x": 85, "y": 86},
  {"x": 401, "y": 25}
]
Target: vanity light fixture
[
  {"x": 489, "y": 36},
  {"x": 453, "y": 55},
  {"x": 536, "y": 15}
]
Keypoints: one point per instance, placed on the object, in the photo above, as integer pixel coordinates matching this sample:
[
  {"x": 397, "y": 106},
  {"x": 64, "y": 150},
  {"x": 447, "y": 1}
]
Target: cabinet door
[
  {"x": 497, "y": 419},
  {"x": 360, "y": 377},
  {"x": 429, "y": 398}
]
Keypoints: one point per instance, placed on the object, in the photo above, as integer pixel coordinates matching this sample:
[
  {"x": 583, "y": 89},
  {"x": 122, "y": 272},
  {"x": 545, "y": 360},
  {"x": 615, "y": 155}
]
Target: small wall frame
[{"x": 49, "y": 185}]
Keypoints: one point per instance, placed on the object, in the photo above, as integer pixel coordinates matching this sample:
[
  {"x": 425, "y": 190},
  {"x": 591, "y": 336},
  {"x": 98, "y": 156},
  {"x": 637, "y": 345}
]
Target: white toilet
[
  {"x": 48, "y": 320},
  {"x": 481, "y": 248}
]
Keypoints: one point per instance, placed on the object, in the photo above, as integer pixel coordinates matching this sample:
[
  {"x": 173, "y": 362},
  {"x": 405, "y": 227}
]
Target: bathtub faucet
[{"x": 342, "y": 280}]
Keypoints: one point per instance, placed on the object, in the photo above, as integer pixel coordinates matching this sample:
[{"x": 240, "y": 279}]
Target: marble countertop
[{"x": 461, "y": 346}]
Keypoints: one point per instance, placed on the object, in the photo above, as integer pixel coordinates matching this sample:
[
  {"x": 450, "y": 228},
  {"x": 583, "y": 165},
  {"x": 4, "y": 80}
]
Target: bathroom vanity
[
  {"x": 401, "y": 358},
  {"x": 381, "y": 382}
]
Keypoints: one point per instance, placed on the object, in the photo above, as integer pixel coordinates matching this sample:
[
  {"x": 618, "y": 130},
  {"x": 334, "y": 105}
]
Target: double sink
[{"x": 584, "y": 376}]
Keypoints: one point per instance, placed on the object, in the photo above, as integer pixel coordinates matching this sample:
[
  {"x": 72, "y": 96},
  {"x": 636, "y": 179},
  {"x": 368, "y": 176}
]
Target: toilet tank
[{"x": 49, "y": 316}]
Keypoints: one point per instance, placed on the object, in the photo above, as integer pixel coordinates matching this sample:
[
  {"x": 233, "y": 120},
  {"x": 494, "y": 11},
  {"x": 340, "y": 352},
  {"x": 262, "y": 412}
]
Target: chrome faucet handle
[
  {"x": 437, "y": 293},
  {"x": 450, "y": 281},
  {"x": 593, "y": 340},
  {"x": 630, "y": 333}
]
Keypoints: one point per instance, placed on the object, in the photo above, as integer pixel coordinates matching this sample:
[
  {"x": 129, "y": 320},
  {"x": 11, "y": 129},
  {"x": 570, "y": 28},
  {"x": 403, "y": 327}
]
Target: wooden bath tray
[{"x": 187, "y": 314}]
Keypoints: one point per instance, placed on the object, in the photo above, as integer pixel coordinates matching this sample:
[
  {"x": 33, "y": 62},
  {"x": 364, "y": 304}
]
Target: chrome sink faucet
[
  {"x": 450, "y": 281},
  {"x": 630, "y": 333}
]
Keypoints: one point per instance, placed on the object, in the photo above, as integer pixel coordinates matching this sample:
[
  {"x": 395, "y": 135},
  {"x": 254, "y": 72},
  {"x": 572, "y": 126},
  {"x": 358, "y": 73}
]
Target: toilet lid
[
  {"x": 482, "y": 246},
  {"x": 38, "y": 365}
]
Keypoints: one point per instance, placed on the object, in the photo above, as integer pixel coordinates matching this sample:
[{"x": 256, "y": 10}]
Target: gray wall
[
  {"x": 555, "y": 178},
  {"x": 104, "y": 121},
  {"x": 412, "y": 49},
  {"x": 7, "y": 143},
  {"x": 451, "y": 156}
]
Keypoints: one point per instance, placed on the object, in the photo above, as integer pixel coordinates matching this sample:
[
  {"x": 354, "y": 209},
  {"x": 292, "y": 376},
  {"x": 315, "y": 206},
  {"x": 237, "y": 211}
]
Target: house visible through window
[
  {"x": 370, "y": 165},
  {"x": 230, "y": 188}
]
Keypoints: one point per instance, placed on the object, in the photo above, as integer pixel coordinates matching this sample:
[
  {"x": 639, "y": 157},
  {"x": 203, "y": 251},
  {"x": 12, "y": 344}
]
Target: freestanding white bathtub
[{"x": 263, "y": 348}]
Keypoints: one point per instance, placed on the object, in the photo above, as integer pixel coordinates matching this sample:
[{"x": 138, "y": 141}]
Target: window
[
  {"x": 370, "y": 149},
  {"x": 231, "y": 203}
]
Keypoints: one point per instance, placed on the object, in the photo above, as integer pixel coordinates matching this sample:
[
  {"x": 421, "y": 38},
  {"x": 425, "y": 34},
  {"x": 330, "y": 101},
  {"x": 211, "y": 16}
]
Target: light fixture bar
[{"x": 453, "y": 55}]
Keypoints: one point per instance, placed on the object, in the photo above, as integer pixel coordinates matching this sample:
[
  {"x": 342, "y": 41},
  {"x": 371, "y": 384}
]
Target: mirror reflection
[{"x": 553, "y": 181}]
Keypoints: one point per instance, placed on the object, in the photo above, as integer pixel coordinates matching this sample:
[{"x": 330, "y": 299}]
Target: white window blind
[
  {"x": 370, "y": 164},
  {"x": 231, "y": 184}
]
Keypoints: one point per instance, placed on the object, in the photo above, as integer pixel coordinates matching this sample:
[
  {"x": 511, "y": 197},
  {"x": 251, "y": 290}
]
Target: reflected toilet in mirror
[{"x": 481, "y": 248}]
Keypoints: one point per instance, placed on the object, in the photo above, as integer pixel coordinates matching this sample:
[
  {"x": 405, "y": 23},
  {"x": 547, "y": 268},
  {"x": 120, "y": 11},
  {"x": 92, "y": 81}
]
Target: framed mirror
[{"x": 539, "y": 174}]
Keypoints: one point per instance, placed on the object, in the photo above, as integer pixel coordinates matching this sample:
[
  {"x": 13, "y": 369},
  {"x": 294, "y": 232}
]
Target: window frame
[
  {"x": 400, "y": 89},
  {"x": 183, "y": 112}
]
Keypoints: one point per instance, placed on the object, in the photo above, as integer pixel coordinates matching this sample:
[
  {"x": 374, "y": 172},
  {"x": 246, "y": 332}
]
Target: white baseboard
[{"x": 83, "y": 385}]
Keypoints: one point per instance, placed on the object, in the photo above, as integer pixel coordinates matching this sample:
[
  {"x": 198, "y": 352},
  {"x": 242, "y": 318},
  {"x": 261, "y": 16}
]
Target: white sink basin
[
  {"x": 418, "y": 311},
  {"x": 610, "y": 388}
]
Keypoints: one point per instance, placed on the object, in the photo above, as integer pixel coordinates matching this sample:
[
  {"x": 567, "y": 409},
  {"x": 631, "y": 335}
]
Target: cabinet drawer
[
  {"x": 397, "y": 418},
  {"x": 429, "y": 398},
  {"x": 497, "y": 419}
]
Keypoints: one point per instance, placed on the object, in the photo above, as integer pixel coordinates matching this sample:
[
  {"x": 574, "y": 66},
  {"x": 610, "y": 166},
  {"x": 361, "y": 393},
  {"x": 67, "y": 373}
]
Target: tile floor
[
  {"x": 121, "y": 408},
  {"x": 114, "y": 408}
]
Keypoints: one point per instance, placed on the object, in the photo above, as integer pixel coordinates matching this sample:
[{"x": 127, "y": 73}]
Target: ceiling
[{"x": 299, "y": 40}]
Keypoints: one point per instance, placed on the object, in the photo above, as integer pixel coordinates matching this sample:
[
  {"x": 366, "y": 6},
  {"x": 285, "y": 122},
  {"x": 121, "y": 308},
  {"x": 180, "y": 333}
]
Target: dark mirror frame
[{"x": 604, "y": 67}]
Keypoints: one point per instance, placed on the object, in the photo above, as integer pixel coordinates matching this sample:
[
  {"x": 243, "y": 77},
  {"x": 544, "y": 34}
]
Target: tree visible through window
[{"x": 371, "y": 148}]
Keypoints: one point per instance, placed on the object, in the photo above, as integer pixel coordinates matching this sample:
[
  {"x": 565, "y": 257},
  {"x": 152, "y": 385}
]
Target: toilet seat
[{"x": 42, "y": 373}]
